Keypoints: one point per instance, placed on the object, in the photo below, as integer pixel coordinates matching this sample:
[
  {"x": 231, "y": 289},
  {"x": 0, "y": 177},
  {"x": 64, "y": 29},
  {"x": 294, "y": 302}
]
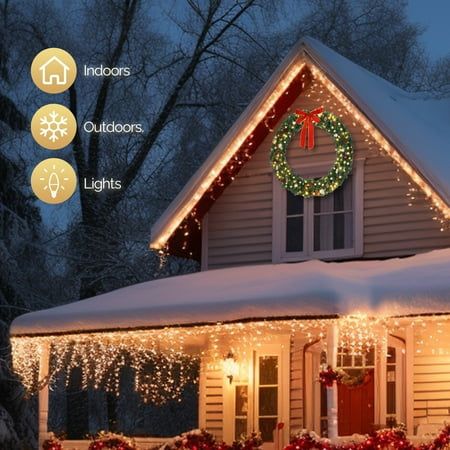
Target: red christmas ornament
[{"x": 308, "y": 119}]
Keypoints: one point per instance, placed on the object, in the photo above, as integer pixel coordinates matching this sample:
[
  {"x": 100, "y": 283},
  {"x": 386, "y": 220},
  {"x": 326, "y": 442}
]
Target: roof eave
[
  {"x": 176, "y": 206},
  {"x": 375, "y": 119}
]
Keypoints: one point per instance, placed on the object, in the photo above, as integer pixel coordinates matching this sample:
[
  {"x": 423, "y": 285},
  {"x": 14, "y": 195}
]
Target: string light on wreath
[{"x": 304, "y": 122}]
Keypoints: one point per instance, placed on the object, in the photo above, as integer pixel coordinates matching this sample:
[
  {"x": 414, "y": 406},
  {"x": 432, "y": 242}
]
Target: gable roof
[
  {"x": 419, "y": 127},
  {"x": 416, "y": 128},
  {"x": 407, "y": 286}
]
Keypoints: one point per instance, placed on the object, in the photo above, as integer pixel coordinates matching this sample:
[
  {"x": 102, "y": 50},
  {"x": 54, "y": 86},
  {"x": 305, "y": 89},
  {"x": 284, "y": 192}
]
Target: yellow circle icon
[
  {"x": 53, "y": 70},
  {"x": 53, "y": 126},
  {"x": 53, "y": 181}
]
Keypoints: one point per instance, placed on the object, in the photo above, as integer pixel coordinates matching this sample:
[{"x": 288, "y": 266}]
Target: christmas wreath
[{"x": 304, "y": 122}]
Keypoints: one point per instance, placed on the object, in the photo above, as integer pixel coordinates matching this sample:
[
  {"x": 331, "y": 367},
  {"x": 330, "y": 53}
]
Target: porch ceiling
[{"x": 416, "y": 285}]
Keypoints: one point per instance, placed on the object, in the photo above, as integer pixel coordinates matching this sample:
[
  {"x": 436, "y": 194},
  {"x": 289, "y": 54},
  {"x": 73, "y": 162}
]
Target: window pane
[
  {"x": 390, "y": 407},
  {"x": 268, "y": 370},
  {"x": 266, "y": 427},
  {"x": 294, "y": 234},
  {"x": 241, "y": 393},
  {"x": 268, "y": 401},
  {"x": 347, "y": 361},
  {"x": 343, "y": 196},
  {"x": 294, "y": 204},
  {"x": 391, "y": 355},
  {"x": 358, "y": 362},
  {"x": 333, "y": 231},
  {"x": 323, "y": 232},
  {"x": 240, "y": 428},
  {"x": 370, "y": 358},
  {"x": 323, "y": 204},
  {"x": 343, "y": 231}
]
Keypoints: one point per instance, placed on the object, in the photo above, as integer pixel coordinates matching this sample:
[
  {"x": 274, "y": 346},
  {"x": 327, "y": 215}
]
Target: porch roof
[{"x": 416, "y": 285}]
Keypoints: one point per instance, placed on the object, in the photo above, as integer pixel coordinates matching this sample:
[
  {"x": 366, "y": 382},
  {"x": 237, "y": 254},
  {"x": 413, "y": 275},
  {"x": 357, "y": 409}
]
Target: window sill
[{"x": 322, "y": 255}]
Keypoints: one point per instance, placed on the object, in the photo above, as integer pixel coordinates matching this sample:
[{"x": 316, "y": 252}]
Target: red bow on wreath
[{"x": 308, "y": 119}]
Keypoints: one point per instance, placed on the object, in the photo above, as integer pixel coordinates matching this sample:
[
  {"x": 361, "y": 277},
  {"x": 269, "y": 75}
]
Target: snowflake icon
[{"x": 54, "y": 127}]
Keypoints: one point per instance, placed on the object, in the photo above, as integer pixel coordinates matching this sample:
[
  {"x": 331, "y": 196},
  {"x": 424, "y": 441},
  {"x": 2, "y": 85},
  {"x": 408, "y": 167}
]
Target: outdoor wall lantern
[{"x": 230, "y": 366}]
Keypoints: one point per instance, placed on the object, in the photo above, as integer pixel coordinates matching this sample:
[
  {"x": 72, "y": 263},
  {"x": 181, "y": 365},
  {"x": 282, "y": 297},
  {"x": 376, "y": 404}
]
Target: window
[
  {"x": 268, "y": 396},
  {"x": 241, "y": 411},
  {"x": 258, "y": 398},
  {"x": 319, "y": 227}
]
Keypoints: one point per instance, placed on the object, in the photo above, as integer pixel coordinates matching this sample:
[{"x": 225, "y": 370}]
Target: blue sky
[{"x": 435, "y": 16}]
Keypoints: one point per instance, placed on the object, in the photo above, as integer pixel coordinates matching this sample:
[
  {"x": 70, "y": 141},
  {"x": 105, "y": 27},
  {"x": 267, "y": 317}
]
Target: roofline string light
[
  {"x": 265, "y": 111},
  {"x": 263, "y": 114},
  {"x": 165, "y": 361},
  {"x": 384, "y": 144}
]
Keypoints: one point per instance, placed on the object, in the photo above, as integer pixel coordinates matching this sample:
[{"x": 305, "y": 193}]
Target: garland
[
  {"x": 329, "y": 375},
  {"x": 303, "y": 122},
  {"x": 386, "y": 438}
]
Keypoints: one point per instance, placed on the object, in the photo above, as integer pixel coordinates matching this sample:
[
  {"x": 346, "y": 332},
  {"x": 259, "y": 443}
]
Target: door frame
[
  {"x": 311, "y": 366},
  {"x": 280, "y": 346}
]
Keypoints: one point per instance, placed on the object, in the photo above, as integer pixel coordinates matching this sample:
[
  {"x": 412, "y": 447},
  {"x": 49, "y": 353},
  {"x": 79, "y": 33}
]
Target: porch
[{"x": 252, "y": 341}]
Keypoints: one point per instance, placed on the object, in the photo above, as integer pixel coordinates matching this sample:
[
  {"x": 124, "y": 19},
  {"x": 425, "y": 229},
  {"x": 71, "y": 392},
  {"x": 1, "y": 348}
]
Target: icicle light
[{"x": 165, "y": 361}]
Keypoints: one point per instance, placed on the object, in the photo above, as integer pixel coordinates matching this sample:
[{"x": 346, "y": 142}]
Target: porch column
[
  {"x": 44, "y": 359},
  {"x": 332, "y": 392},
  {"x": 409, "y": 378}
]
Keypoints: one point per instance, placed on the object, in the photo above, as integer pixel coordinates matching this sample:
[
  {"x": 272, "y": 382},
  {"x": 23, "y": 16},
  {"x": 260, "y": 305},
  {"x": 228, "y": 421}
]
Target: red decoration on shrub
[
  {"x": 250, "y": 442},
  {"x": 52, "y": 443},
  {"x": 387, "y": 438},
  {"x": 202, "y": 440},
  {"x": 105, "y": 440}
]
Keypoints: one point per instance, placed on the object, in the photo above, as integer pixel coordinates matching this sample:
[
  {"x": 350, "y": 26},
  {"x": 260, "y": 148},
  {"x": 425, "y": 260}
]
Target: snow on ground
[{"x": 418, "y": 284}]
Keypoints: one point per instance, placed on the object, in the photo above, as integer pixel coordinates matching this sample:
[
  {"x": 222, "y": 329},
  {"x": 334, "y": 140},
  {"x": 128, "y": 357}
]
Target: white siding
[
  {"x": 211, "y": 398},
  {"x": 432, "y": 378},
  {"x": 296, "y": 387},
  {"x": 240, "y": 222}
]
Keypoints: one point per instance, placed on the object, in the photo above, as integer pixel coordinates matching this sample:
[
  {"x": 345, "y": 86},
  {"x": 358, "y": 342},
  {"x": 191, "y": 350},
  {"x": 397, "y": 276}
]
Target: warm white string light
[
  {"x": 165, "y": 361},
  {"x": 345, "y": 107},
  {"x": 160, "y": 240},
  {"x": 384, "y": 144}
]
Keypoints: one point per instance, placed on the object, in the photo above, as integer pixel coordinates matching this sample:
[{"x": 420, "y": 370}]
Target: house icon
[{"x": 54, "y": 72}]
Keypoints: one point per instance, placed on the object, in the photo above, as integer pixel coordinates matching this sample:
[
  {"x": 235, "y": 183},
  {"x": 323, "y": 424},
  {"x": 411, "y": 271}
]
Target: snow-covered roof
[
  {"x": 416, "y": 285},
  {"x": 417, "y": 126}
]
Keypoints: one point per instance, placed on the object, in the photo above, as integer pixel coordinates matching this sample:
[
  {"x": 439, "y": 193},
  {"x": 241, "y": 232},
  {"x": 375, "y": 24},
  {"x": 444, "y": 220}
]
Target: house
[
  {"x": 317, "y": 261},
  {"x": 54, "y": 72}
]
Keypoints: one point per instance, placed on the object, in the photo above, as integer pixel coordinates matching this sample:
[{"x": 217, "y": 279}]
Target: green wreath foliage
[{"x": 312, "y": 187}]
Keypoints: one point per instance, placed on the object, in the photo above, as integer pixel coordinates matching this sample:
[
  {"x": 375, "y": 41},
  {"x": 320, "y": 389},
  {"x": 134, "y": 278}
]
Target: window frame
[{"x": 279, "y": 218}]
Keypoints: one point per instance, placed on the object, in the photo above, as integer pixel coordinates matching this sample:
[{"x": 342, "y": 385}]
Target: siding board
[{"x": 240, "y": 221}]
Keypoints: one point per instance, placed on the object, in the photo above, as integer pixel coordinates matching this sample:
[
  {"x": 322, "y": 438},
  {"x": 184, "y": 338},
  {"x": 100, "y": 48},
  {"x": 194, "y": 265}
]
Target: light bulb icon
[
  {"x": 53, "y": 184},
  {"x": 53, "y": 181}
]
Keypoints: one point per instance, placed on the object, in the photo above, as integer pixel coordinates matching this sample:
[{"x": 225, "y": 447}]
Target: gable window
[{"x": 319, "y": 227}]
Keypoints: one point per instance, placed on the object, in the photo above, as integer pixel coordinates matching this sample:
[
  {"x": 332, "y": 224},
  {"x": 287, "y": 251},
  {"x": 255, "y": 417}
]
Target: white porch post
[
  {"x": 381, "y": 381},
  {"x": 409, "y": 378},
  {"x": 332, "y": 392},
  {"x": 44, "y": 359}
]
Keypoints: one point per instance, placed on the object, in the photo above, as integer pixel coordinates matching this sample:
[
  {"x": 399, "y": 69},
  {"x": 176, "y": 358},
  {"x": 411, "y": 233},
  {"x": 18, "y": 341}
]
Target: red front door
[{"x": 356, "y": 408}]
